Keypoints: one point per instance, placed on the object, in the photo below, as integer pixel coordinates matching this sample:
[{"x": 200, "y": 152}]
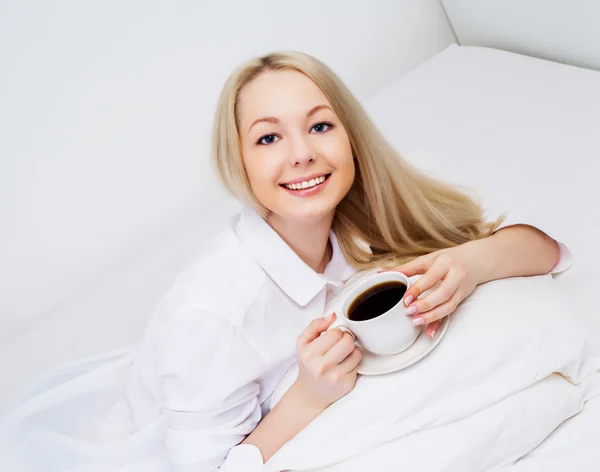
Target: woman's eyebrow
[
  {"x": 317, "y": 108},
  {"x": 268, "y": 119},
  {"x": 271, "y": 119}
]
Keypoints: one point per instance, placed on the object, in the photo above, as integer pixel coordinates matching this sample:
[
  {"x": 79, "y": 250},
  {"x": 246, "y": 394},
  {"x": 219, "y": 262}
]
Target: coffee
[{"x": 376, "y": 301}]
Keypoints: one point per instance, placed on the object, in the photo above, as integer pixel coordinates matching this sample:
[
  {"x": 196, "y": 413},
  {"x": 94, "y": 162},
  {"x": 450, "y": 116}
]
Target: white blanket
[
  {"x": 492, "y": 439},
  {"x": 484, "y": 398},
  {"x": 572, "y": 447}
]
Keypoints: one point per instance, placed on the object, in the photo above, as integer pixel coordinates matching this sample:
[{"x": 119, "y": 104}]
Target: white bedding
[
  {"x": 572, "y": 447},
  {"x": 513, "y": 366}
]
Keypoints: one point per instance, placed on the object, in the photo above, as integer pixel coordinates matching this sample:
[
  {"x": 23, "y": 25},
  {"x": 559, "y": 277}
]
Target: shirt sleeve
[
  {"x": 547, "y": 226},
  {"x": 207, "y": 380}
]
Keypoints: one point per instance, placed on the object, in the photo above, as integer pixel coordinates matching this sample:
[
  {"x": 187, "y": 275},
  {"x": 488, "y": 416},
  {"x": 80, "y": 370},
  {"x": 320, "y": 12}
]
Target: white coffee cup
[{"x": 389, "y": 333}]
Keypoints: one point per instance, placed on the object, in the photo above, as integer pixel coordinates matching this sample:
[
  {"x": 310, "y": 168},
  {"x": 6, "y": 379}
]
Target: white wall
[
  {"x": 106, "y": 108},
  {"x": 566, "y": 31}
]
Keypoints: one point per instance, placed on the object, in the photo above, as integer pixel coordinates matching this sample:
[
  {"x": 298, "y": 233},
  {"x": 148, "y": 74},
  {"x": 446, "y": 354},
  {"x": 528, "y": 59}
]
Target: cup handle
[{"x": 341, "y": 324}]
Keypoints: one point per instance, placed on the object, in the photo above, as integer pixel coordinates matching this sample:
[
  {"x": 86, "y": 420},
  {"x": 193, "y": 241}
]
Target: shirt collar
[{"x": 283, "y": 265}]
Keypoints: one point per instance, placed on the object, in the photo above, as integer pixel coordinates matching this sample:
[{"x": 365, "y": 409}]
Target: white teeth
[{"x": 306, "y": 184}]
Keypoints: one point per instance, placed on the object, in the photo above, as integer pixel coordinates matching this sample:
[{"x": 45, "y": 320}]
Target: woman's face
[{"x": 295, "y": 150}]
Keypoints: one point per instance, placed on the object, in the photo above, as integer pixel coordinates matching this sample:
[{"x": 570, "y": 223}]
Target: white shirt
[{"x": 223, "y": 337}]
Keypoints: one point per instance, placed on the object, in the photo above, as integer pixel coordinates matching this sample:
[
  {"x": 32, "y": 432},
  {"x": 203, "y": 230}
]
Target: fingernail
[
  {"x": 408, "y": 299},
  {"x": 330, "y": 317},
  {"x": 419, "y": 320},
  {"x": 411, "y": 310},
  {"x": 432, "y": 333}
]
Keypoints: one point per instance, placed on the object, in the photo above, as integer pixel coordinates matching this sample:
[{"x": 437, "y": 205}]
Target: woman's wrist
[
  {"x": 308, "y": 405},
  {"x": 287, "y": 418},
  {"x": 480, "y": 257}
]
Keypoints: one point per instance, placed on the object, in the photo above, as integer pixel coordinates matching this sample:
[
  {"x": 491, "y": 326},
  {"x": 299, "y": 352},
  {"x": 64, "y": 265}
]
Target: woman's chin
[{"x": 307, "y": 213}]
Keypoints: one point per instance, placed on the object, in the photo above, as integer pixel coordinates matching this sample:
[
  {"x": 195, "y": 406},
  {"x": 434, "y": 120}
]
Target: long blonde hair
[{"x": 398, "y": 212}]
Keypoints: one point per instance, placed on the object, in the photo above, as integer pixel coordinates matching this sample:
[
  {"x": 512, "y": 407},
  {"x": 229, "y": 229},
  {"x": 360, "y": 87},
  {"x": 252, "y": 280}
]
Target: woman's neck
[{"x": 308, "y": 239}]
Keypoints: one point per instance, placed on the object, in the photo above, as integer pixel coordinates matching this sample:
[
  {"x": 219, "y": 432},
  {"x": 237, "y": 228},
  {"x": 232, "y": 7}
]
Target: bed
[{"x": 521, "y": 132}]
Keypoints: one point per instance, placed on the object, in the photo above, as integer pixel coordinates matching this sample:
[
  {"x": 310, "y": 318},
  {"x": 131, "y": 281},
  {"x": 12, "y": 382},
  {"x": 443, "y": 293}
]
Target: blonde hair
[{"x": 398, "y": 212}]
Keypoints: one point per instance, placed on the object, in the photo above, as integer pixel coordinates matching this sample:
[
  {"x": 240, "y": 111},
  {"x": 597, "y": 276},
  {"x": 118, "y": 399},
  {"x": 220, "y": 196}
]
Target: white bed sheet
[{"x": 572, "y": 447}]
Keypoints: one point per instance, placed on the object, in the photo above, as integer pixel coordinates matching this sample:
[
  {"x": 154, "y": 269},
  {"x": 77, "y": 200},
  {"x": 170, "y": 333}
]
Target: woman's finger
[
  {"x": 436, "y": 272},
  {"x": 432, "y": 328},
  {"x": 339, "y": 351},
  {"x": 351, "y": 362},
  {"x": 439, "y": 295},
  {"x": 314, "y": 330},
  {"x": 439, "y": 312},
  {"x": 415, "y": 267},
  {"x": 325, "y": 342}
]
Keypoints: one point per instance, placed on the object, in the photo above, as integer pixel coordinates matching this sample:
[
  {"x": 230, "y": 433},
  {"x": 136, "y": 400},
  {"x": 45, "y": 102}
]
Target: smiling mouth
[{"x": 307, "y": 183}]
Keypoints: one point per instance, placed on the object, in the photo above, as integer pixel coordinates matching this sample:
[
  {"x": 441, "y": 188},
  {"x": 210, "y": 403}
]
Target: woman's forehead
[{"x": 279, "y": 94}]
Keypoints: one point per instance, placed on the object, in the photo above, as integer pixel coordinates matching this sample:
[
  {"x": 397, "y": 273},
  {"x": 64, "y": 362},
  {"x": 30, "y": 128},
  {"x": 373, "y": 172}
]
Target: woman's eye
[
  {"x": 271, "y": 138},
  {"x": 321, "y": 127},
  {"x": 268, "y": 139}
]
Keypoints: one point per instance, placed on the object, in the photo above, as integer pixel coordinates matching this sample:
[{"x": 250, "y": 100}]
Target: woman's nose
[{"x": 301, "y": 153}]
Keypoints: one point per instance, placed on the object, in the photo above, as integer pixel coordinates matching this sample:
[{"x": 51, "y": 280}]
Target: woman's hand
[
  {"x": 457, "y": 272},
  {"x": 328, "y": 370},
  {"x": 514, "y": 251},
  {"x": 327, "y": 363}
]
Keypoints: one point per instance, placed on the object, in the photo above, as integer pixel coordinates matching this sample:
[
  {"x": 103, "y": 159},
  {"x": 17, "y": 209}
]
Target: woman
[{"x": 325, "y": 195}]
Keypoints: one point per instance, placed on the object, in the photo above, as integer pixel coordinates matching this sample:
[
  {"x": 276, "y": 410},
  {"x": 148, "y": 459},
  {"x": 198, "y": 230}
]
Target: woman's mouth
[{"x": 306, "y": 187}]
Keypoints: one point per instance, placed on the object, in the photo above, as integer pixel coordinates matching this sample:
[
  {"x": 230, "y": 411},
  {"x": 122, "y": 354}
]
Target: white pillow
[
  {"x": 489, "y": 439},
  {"x": 507, "y": 336}
]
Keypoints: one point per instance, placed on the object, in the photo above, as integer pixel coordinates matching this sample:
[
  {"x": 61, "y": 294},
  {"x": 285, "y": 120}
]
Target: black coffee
[{"x": 376, "y": 301}]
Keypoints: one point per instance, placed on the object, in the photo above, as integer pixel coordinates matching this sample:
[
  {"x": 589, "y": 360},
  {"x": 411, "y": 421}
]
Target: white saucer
[{"x": 374, "y": 364}]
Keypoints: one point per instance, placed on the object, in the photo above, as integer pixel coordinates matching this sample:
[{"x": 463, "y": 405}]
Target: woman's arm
[
  {"x": 290, "y": 416},
  {"x": 517, "y": 250},
  {"x": 513, "y": 251}
]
